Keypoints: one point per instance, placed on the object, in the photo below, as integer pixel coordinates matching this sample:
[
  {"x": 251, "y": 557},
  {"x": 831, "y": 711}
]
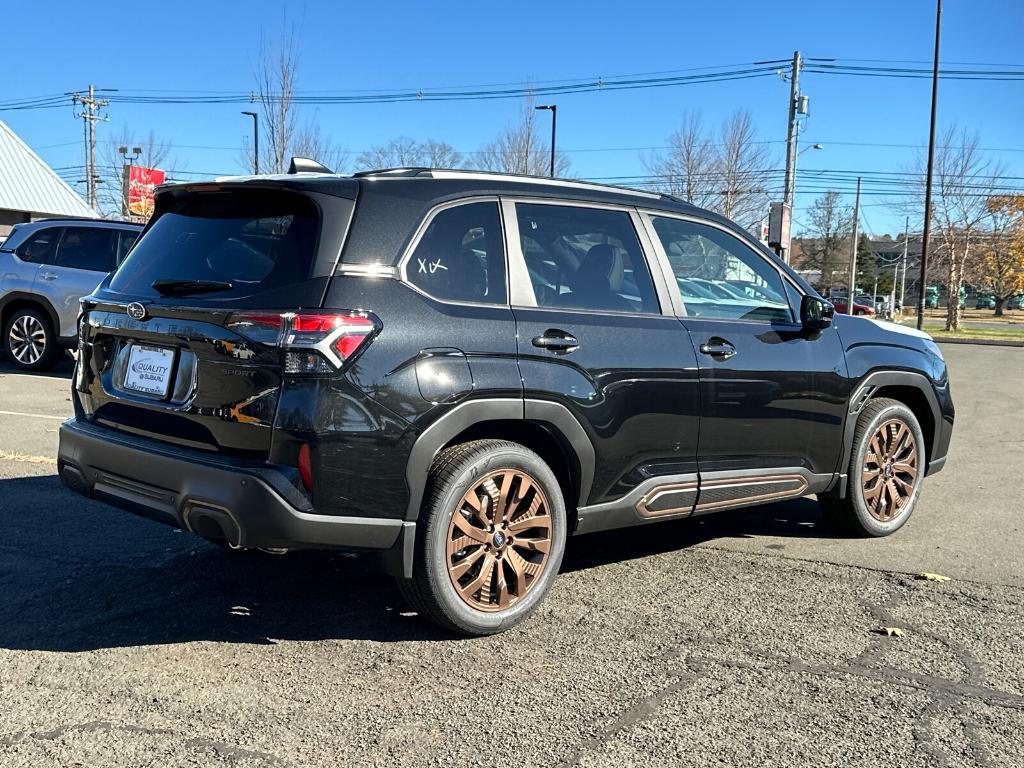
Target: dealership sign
[{"x": 139, "y": 184}]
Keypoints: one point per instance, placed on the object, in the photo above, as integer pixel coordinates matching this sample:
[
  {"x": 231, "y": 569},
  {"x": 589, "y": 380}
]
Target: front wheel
[
  {"x": 29, "y": 340},
  {"x": 886, "y": 470},
  {"x": 490, "y": 538}
]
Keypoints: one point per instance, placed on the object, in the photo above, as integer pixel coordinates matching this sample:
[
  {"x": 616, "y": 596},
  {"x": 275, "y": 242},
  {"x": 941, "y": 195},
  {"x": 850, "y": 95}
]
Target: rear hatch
[{"x": 182, "y": 342}]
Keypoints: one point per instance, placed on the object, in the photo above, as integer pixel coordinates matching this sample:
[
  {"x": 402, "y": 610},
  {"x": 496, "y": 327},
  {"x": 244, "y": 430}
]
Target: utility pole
[
  {"x": 791, "y": 138},
  {"x": 906, "y": 248},
  {"x": 90, "y": 113},
  {"x": 931, "y": 168},
  {"x": 853, "y": 255}
]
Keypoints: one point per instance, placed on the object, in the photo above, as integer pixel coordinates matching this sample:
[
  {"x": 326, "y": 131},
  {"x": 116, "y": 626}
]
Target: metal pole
[
  {"x": 554, "y": 122},
  {"x": 903, "y": 282},
  {"x": 931, "y": 169},
  {"x": 91, "y": 171},
  {"x": 853, "y": 255},
  {"x": 255, "y": 141},
  {"x": 790, "y": 183}
]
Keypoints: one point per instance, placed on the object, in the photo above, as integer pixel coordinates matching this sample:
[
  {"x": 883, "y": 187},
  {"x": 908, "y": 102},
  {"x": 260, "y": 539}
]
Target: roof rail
[
  {"x": 393, "y": 172},
  {"x": 466, "y": 173}
]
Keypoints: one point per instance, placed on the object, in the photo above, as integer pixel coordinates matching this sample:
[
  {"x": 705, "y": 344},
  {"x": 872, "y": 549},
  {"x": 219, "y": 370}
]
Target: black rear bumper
[{"x": 247, "y": 505}]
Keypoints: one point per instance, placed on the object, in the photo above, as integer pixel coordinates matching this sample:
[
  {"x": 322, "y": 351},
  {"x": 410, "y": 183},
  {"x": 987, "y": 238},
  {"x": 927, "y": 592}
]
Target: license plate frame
[{"x": 149, "y": 370}]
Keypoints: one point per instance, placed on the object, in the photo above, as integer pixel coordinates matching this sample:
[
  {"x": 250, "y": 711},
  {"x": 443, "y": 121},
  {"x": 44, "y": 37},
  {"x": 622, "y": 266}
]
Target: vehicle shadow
[
  {"x": 77, "y": 575},
  {"x": 63, "y": 368}
]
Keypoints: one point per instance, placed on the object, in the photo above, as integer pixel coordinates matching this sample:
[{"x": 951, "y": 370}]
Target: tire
[
  {"x": 884, "y": 476},
  {"x": 29, "y": 340},
  {"x": 459, "y": 475}
]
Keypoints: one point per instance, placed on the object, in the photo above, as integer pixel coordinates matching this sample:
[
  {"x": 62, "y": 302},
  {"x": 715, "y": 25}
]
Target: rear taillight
[{"x": 312, "y": 342}]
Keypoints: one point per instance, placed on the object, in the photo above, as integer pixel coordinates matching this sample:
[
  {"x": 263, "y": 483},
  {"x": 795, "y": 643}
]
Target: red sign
[{"x": 140, "y": 183}]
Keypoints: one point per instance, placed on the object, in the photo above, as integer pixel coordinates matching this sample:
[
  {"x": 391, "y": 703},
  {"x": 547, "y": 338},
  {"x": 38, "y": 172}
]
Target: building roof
[{"x": 28, "y": 184}]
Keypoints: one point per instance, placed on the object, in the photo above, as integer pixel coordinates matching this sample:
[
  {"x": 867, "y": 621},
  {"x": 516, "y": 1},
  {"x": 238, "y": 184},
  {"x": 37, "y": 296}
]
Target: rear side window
[
  {"x": 461, "y": 256},
  {"x": 125, "y": 243},
  {"x": 91, "y": 248},
  {"x": 40, "y": 248},
  {"x": 585, "y": 258},
  {"x": 254, "y": 240}
]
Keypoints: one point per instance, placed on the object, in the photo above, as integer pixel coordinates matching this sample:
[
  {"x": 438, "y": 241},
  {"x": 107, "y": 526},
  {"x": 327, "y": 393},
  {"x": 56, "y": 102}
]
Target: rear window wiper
[{"x": 185, "y": 287}]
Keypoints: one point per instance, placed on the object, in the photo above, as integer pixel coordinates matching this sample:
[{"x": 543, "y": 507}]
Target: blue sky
[{"x": 212, "y": 46}]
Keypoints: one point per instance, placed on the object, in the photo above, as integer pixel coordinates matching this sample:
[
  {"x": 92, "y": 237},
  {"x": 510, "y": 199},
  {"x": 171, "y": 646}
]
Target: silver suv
[{"x": 45, "y": 268}]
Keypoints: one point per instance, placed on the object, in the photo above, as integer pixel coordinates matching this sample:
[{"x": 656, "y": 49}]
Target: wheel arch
[
  {"x": 912, "y": 389},
  {"x": 20, "y": 300},
  {"x": 546, "y": 428}
]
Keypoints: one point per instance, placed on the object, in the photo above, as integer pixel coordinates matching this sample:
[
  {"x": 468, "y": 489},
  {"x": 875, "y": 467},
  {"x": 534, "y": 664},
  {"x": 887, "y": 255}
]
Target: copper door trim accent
[
  {"x": 660, "y": 490},
  {"x": 748, "y": 480}
]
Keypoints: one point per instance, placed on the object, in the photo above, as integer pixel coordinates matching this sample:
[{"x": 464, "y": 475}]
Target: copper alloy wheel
[
  {"x": 498, "y": 540},
  {"x": 890, "y": 470}
]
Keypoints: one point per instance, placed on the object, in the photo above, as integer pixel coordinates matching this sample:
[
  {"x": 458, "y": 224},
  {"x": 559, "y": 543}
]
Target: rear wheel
[
  {"x": 886, "y": 470},
  {"x": 29, "y": 340},
  {"x": 490, "y": 539}
]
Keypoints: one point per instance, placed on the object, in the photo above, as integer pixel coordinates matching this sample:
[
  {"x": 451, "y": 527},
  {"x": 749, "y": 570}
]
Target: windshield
[{"x": 244, "y": 241}]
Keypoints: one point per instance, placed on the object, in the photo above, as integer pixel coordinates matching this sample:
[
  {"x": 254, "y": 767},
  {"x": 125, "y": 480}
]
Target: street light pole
[
  {"x": 127, "y": 175},
  {"x": 931, "y": 168},
  {"x": 255, "y": 141},
  {"x": 554, "y": 124}
]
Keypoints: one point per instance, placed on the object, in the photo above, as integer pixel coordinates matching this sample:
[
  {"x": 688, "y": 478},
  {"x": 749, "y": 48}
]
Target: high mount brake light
[{"x": 313, "y": 342}]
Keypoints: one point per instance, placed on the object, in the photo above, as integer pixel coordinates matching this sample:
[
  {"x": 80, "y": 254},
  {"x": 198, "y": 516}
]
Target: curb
[{"x": 980, "y": 342}]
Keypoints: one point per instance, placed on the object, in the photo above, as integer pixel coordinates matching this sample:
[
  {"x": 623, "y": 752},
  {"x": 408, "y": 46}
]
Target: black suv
[{"x": 459, "y": 370}]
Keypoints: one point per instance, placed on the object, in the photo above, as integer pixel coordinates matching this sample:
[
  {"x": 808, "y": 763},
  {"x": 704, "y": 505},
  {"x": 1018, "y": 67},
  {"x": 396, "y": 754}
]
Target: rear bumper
[{"x": 248, "y": 505}]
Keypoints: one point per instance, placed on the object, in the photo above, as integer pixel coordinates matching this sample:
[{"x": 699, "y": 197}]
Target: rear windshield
[{"x": 254, "y": 240}]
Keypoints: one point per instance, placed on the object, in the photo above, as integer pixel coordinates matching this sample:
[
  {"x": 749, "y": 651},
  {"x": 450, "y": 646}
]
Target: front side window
[
  {"x": 90, "y": 248},
  {"x": 719, "y": 276},
  {"x": 461, "y": 256},
  {"x": 40, "y": 248},
  {"x": 585, "y": 258}
]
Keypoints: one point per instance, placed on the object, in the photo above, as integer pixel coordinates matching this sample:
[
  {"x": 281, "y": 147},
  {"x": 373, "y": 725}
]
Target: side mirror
[{"x": 816, "y": 313}]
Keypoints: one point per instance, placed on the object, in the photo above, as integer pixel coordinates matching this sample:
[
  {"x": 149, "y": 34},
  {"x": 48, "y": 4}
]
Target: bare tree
[
  {"x": 728, "y": 175},
  {"x": 826, "y": 240},
  {"x": 155, "y": 153},
  {"x": 310, "y": 142},
  {"x": 440, "y": 154},
  {"x": 743, "y": 171},
  {"x": 964, "y": 179},
  {"x": 276, "y": 79},
  {"x": 404, "y": 152},
  {"x": 688, "y": 168},
  {"x": 521, "y": 148}
]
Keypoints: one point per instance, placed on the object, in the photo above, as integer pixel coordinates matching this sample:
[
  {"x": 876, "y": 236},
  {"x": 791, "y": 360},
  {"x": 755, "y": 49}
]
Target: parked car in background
[
  {"x": 45, "y": 268},
  {"x": 1015, "y": 302},
  {"x": 985, "y": 301},
  {"x": 858, "y": 307}
]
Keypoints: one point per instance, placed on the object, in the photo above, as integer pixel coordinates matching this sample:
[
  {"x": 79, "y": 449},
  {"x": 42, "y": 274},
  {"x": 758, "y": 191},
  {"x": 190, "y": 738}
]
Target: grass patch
[{"x": 1010, "y": 333}]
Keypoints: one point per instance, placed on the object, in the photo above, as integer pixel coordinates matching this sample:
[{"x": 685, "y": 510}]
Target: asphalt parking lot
[{"x": 747, "y": 639}]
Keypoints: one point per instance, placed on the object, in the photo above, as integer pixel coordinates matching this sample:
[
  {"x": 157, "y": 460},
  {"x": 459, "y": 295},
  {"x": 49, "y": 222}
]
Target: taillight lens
[{"x": 313, "y": 342}]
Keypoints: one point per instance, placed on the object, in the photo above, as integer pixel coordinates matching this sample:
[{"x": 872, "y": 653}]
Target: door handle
[
  {"x": 720, "y": 349},
  {"x": 48, "y": 275},
  {"x": 556, "y": 341}
]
